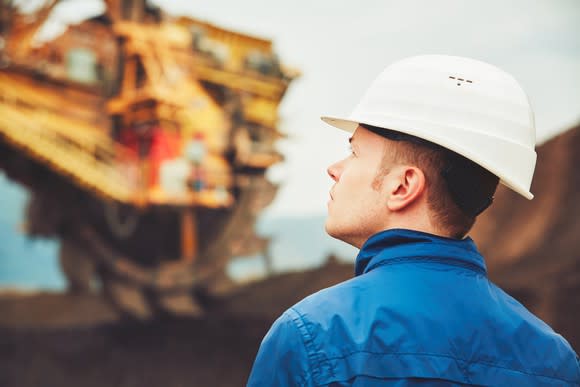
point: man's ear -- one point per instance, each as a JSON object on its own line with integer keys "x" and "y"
{"x": 405, "y": 187}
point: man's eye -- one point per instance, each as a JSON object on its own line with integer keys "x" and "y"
{"x": 351, "y": 150}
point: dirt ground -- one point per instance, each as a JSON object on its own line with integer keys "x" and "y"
{"x": 210, "y": 352}
{"x": 62, "y": 340}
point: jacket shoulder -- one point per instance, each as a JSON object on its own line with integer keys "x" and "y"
{"x": 282, "y": 359}
{"x": 388, "y": 322}
{"x": 332, "y": 300}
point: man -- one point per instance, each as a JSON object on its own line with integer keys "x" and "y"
{"x": 432, "y": 137}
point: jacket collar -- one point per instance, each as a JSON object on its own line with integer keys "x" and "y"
{"x": 397, "y": 245}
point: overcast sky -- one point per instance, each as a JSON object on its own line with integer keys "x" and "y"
{"x": 340, "y": 46}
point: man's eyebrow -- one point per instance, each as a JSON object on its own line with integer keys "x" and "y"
{"x": 350, "y": 140}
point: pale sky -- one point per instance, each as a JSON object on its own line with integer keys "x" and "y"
{"x": 340, "y": 46}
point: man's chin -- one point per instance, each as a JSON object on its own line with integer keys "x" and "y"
{"x": 328, "y": 228}
{"x": 342, "y": 235}
{"x": 332, "y": 230}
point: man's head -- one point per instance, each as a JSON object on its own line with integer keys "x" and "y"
{"x": 393, "y": 180}
{"x": 435, "y": 133}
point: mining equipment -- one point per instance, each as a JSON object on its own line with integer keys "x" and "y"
{"x": 143, "y": 140}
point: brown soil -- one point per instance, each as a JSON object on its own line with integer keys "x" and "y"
{"x": 208, "y": 352}
{"x": 62, "y": 340}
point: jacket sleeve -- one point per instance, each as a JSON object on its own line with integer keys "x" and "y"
{"x": 282, "y": 359}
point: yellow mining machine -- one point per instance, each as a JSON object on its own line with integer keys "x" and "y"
{"x": 143, "y": 141}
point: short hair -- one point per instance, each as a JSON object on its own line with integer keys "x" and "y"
{"x": 458, "y": 189}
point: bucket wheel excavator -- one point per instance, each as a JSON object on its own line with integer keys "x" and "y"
{"x": 143, "y": 140}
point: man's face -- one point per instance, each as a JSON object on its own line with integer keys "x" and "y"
{"x": 357, "y": 207}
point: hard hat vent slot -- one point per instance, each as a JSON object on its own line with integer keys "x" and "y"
{"x": 460, "y": 80}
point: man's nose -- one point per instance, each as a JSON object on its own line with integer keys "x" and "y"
{"x": 334, "y": 171}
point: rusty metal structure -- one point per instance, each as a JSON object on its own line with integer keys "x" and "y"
{"x": 143, "y": 141}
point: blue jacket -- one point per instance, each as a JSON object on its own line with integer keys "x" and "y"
{"x": 420, "y": 311}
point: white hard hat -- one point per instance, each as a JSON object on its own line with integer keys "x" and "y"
{"x": 467, "y": 106}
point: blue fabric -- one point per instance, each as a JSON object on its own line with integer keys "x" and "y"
{"x": 419, "y": 312}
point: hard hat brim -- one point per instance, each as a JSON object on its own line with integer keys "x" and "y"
{"x": 340, "y": 123}
{"x": 350, "y": 126}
